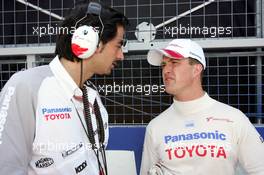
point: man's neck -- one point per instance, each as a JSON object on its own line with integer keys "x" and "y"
{"x": 74, "y": 70}
{"x": 195, "y": 93}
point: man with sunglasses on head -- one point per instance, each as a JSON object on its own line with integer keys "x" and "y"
{"x": 52, "y": 120}
{"x": 196, "y": 134}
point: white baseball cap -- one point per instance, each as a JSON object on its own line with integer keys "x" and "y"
{"x": 178, "y": 49}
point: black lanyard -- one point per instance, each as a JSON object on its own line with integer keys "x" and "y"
{"x": 89, "y": 132}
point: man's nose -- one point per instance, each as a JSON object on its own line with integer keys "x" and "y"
{"x": 120, "y": 55}
{"x": 166, "y": 68}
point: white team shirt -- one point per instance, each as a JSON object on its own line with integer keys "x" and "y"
{"x": 40, "y": 124}
{"x": 200, "y": 137}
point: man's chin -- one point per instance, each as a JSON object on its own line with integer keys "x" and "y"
{"x": 169, "y": 91}
{"x": 108, "y": 72}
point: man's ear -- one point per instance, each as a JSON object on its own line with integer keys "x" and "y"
{"x": 198, "y": 68}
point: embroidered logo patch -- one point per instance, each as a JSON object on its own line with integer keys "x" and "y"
{"x": 209, "y": 119}
{"x": 80, "y": 167}
{"x": 44, "y": 162}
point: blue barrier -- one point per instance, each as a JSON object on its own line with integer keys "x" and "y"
{"x": 260, "y": 129}
{"x": 132, "y": 138}
{"x": 127, "y": 138}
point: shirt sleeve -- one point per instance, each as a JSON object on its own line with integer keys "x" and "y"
{"x": 17, "y": 126}
{"x": 149, "y": 156}
{"x": 251, "y": 149}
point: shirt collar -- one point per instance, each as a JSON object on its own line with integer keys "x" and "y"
{"x": 193, "y": 106}
{"x": 64, "y": 79}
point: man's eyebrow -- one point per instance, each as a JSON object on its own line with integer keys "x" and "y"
{"x": 172, "y": 59}
{"x": 122, "y": 42}
{"x": 168, "y": 59}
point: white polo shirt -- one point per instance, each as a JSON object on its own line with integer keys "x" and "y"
{"x": 47, "y": 116}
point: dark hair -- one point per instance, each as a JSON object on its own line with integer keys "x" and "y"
{"x": 110, "y": 18}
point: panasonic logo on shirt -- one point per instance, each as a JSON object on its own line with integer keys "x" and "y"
{"x": 4, "y": 109}
{"x": 55, "y": 110}
{"x": 195, "y": 136}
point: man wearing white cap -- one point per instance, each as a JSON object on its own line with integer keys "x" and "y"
{"x": 196, "y": 134}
